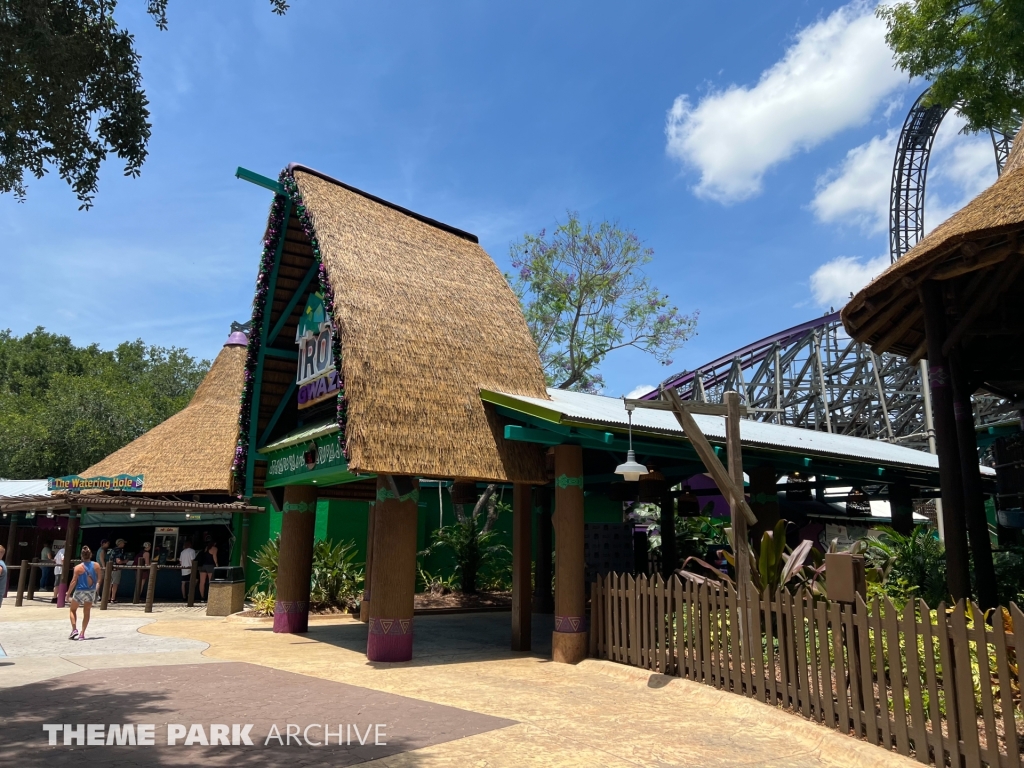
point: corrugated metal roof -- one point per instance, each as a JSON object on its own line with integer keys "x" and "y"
{"x": 565, "y": 407}
{"x": 22, "y": 487}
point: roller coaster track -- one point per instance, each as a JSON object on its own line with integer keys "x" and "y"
{"x": 813, "y": 375}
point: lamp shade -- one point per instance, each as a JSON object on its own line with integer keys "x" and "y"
{"x": 631, "y": 469}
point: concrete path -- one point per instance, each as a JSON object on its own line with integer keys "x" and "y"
{"x": 594, "y": 714}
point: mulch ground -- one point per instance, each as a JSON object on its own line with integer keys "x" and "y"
{"x": 229, "y": 694}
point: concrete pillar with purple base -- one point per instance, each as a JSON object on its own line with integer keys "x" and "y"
{"x": 569, "y": 640}
{"x": 295, "y": 559}
{"x": 394, "y": 570}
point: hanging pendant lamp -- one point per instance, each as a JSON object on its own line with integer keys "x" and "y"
{"x": 631, "y": 469}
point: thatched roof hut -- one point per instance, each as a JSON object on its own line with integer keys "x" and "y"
{"x": 976, "y": 253}
{"x": 424, "y": 320}
{"x": 192, "y": 451}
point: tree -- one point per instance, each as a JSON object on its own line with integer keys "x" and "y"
{"x": 584, "y": 295}
{"x": 71, "y": 91}
{"x": 63, "y": 408}
{"x": 472, "y": 539}
{"x": 972, "y": 52}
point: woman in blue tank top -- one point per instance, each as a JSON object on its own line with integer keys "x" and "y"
{"x": 85, "y": 581}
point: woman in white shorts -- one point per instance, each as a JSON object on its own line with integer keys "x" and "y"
{"x": 85, "y": 580}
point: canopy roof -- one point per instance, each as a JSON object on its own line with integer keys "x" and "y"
{"x": 425, "y": 320}
{"x": 976, "y": 255}
{"x": 192, "y": 451}
{"x": 868, "y": 457}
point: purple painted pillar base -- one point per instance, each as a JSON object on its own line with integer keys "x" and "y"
{"x": 62, "y": 594}
{"x": 389, "y": 640}
{"x": 291, "y": 617}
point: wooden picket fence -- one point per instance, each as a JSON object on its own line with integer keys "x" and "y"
{"x": 955, "y": 701}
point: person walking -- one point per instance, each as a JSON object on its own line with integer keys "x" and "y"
{"x": 58, "y": 570}
{"x": 207, "y": 562}
{"x": 186, "y": 559}
{"x": 45, "y": 572}
{"x": 115, "y": 555}
{"x": 86, "y": 579}
{"x": 3, "y": 574}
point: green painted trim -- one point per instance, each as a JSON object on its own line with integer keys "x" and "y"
{"x": 301, "y": 436}
{"x": 383, "y": 494}
{"x": 277, "y": 413}
{"x": 283, "y": 354}
{"x": 564, "y": 481}
{"x": 497, "y": 398}
{"x": 257, "y": 385}
{"x": 529, "y": 435}
{"x": 290, "y": 307}
{"x": 323, "y": 477}
{"x": 299, "y": 506}
{"x": 261, "y": 181}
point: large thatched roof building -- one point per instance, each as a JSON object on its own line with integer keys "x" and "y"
{"x": 423, "y": 320}
{"x": 192, "y": 451}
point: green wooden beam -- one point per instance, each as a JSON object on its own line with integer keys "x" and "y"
{"x": 299, "y": 292}
{"x": 282, "y": 354}
{"x": 257, "y": 385}
{"x": 530, "y": 435}
{"x": 261, "y": 181}
{"x": 285, "y": 399}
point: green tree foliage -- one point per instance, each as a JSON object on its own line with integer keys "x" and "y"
{"x": 908, "y": 566}
{"x": 63, "y": 407}
{"x": 972, "y": 52}
{"x": 71, "y": 91}
{"x": 584, "y": 294}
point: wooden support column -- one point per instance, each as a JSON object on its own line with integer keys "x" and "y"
{"x": 394, "y": 570}
{"x": 901, "y": 504}
{"x": 70, "y": 542}
{"x": 569, "y": 640}
{"x": 364, "y": 605}
{"x": 669, "y": 552}
{"x": 543, "y": 599}
{"x": 950, "y": 477}
{"x": 522, "y": 525}
{"x": 733, "y": 446}
{"x": 974, "y": 498}
{"x": 295, "y": 560}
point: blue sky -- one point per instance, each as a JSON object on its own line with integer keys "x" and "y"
{"x": 749, "y": 144}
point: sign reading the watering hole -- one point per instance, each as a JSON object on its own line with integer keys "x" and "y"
{"x": 317, "y": 377}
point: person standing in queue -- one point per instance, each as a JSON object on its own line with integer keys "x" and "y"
{"x": 186, "y": 559}
{"x": 117, "y": 557}
{"x": 3, "y": 574}
{"x": 206, "y": 565}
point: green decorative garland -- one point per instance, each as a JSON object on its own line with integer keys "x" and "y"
{"x": 383, "y": 494}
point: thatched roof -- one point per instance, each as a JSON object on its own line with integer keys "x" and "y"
{"x": 192, "y": 451}
{"x": 426, "y": 320}
{"x": 887, "y": 313}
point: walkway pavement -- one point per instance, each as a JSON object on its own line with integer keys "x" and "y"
{"x": 512, "y": 709}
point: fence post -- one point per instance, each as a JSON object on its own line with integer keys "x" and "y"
{"x": 192, "y": 585}
{"x": 151, "y": 588}
{"x": 137, "y": 572}
{"x": 108, "y": 570}
{"x": 22, "y": 573}
{"x": 33, "y": 578}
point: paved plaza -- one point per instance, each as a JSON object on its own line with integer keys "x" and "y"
{"x": 465, "y": 700}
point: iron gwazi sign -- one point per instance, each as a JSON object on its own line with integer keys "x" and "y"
{"x": 74, "y": 483}
{"x": 317, "y": 376}
{"x": 322, "y": 453}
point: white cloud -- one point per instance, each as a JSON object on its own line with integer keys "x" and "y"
{"x": 833, "y": 76}
{"x": 640, "y": 391}
{"x": 858, "y": 191}
{"x": 833, "y": 282}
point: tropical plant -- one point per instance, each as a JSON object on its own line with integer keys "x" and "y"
{"x": 337, "y": 579}
{"x": 1009, "y": 568}
{"x": 436, "y": 584}
{"x": 696, "y": 536}
{"x": 472, "y": 540}
{"x": 584, "y": 295}
{"x": 262, "y": 601}
{"x": 907, "y": 566}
